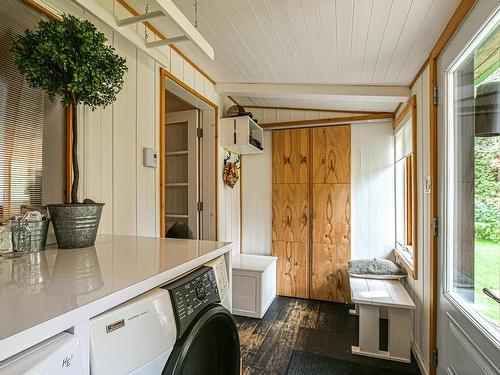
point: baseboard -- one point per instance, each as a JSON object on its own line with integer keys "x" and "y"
{"x": 418, "y": 356}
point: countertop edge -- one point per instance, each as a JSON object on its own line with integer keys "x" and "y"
{"x": 80, "y": 316}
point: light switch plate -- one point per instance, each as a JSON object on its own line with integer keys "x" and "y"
{"x": 427, "y": 186}
{"x": 150, "y": 157}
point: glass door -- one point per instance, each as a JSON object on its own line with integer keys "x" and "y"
{"x": 469, "y": 165}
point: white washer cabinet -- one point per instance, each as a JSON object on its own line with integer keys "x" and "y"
{"x": 254, "y": 284}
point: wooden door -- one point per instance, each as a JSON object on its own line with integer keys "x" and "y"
{"x": 290, "y": 197}
{"x": 331, "y": 213}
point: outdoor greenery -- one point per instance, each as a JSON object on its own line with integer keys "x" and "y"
{"x": 70, "y": 59}
{"x": 487, "y": 188}
{"x": 486, "y": 266}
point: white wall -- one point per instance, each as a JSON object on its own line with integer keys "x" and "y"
{"x": 111, "y": 139}
{"x": 256, "y": 200}
{"x": 372, "y": 190}
{"x": 420, "y": 289}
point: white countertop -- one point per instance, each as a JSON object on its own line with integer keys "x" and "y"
{"x": 51, "y": 291}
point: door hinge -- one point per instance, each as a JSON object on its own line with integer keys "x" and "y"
{"x": 199, "y": 132}
{"x": 435, "y": 357}
{"x": 199, "y": 206}
{"x": 435, "y": 93}
{"x": 435, "y": 226}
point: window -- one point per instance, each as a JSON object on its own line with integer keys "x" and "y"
{"x": 32, "y": 130}
{"x": 473, "y": 179}
{"x": 405, "y": 194}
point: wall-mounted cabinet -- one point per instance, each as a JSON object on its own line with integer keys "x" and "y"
{"x": 241, "y": 135}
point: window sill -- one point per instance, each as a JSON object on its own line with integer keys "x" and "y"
{"x": 406, "y": 262}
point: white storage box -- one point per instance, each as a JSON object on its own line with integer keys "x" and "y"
{"x": 254, "y": 284}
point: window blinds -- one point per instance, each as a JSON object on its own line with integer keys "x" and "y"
{"x": 22, "y": 116}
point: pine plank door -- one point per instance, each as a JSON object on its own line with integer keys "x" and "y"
{"x": 331, "y": 212}
{"x": 290, "y": 207}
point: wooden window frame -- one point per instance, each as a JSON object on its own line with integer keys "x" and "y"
{"x": 410, "y": 263}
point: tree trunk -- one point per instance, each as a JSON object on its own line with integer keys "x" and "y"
{"x": 74, "y": 153}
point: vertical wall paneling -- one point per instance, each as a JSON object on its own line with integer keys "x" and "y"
{"x": 124, "y": 141}
{"x": 420, "y": 289}
{"x": 372, "y": 189}
{"x": 146, "y": 183}
{"x": 256, "y": 200}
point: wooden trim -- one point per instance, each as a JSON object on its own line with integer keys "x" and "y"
{"x": 328, "y": 121}
{"x": 419, "y": 73}
{"x": 43, "y": 9}
{"x": 163, "y": 75}
{"x": 411, "y": 104}
{"x": 409, "y": 199}
{"x": 433, "y": 213}
{"x": 69, "y": 157}
{"x": 241, "y": 204}
{"x": 317, "y": 109}
{"x": 161, "y": 155}
{"x": 402, "y": 260}
{"x": 155, "y": 31}
{"x": 451, "y": 27}
{"x": 397, "y": 108}
{"x": 415, "y": 195}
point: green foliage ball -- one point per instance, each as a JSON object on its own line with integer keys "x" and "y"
{"x": 71, "y": 59}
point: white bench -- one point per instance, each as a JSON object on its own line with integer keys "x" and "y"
{"x": 370, "y": 295}
{"x": 254, "y": 284}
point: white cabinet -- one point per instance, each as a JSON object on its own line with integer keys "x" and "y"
{"x": 254, "y": 284}
{"x": 241, "y": 135}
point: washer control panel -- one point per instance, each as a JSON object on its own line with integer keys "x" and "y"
{"x": 191, "y": 294}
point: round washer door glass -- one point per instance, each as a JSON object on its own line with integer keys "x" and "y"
{"x": 211, "y": 346}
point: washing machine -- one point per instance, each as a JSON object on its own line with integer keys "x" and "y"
{"x": 180, "y": 328}
{"x": 59, "y": 355}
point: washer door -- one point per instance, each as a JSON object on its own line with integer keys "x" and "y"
{"x": 211, "y": 346}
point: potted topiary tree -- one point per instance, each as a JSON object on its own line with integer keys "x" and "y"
{"x": 70, "y": 59}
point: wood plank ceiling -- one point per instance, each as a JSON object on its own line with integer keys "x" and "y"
{"x": 344, "y": 42}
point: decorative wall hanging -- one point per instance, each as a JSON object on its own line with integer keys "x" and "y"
{"x": 230, "y": 172}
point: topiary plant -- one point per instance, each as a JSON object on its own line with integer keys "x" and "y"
{"x": 70, "y": 59}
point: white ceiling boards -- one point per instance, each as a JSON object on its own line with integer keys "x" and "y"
{"x": 333, "y": 42}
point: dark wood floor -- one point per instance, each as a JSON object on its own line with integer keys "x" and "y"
{"x": 308, "y": 331}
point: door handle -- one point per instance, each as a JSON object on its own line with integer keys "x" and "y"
{"x": 492, "y": 295}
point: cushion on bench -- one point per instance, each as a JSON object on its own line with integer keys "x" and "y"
{"x": 375, "y": 269}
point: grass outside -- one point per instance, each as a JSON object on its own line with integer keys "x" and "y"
{"x": 487, "y": 275}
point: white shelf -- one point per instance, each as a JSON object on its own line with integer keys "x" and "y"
{"x": 177, "y": 216}
{"x": 235, "y": 133}
{"x": 174, "y": 153}
{"x": 176, "y": 184}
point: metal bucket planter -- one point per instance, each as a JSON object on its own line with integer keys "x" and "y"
{"x": 75, "y": 225}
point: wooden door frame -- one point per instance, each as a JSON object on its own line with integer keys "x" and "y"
{"x": 449, "y": 31}
{"x": 164, "y": 74}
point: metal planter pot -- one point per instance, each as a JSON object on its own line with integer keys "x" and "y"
{"x": 75, "y": 225}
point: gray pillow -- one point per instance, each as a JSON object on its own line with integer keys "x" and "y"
{"x": 375, "y": 269}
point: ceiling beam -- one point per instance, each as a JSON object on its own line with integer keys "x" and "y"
{"x": 392, "y": 94}
{"x": 315, "y": 109}
{"x": 168, "y": 7}
{"x": 328, "y": 121}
